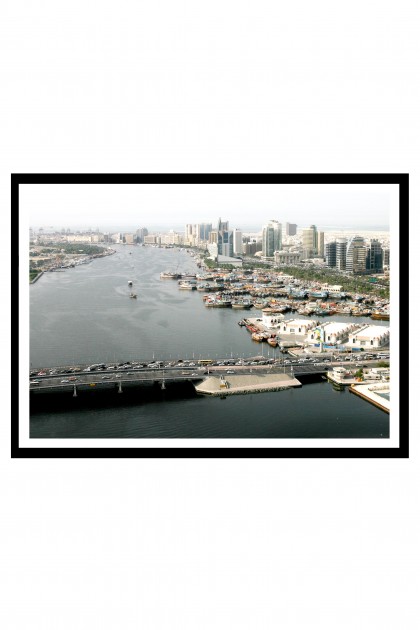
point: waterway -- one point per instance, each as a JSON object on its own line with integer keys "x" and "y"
{"x": 85, "y": 315}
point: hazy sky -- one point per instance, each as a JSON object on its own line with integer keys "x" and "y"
{"x": 174, "y": 205}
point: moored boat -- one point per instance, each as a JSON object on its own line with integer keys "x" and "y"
{"x": 187, "y": 284}
{"x": 379, "y": 315}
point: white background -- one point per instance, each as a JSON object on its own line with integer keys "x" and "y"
{"x": 200, "y": 87}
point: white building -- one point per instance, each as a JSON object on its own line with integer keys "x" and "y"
{"x": 378, "y": 374}
{"x": 330, "y": 333}
{"x": 368, "y": 336}
{"x": 272, "y": 318}
{"x": 296, "y": 326}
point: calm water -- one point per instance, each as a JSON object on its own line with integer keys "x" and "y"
{"x": 85, "y": 315}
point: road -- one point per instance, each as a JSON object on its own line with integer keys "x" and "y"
{"x": 65, "y": 377}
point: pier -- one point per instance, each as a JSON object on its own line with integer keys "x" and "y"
{"x": 376, "y": 394}
{"x": 246, "y": 384}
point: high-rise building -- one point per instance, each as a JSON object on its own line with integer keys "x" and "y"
{"x": 222, "y": 226}
{"x": 213, "y": 236}
{"x": 226, "y": 243}
{"x": 331, "y": 254}
{"x": 223, "y": 237}
{"x": 271, "y": 238}
{"x": 190, "y": 233}
{"x": 251, "y": 248}
{"x": 237, "y": 242}
{"x": 309, "y": 242}
{"x": 320, "y": 244}
{"x": 203, "y": 231}
{"x": 374, "y": 257}
{"x": 386, "y": 256}
{"x": 140, "y": 234}
{"x": 291, "y": 229}
{"x": 341, "y": 249}
{"x": 356, "y": 255}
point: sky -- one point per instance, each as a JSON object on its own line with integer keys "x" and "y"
{"x": 171, "y": 206}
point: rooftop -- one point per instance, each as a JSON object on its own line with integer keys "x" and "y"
{"x": 371, "y": 331}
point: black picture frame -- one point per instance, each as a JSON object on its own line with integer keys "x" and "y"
{"x": 402, "y": 451}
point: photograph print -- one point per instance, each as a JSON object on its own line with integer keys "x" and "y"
{"x": 208, "y": 315}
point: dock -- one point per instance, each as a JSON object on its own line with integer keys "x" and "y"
{"x": 246, "y": 384}
{"x": 372, "y": 393}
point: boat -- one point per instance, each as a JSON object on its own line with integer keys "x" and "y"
{"x": 298, "y": 295}
{"x": 260, "y": 305}
{"x": 272, "y": 341}
{"x": 187, "y": 284}
{"x": 170, "y": 274}
{"x": 241, "y": 304}
{"x": 130, "y": 283}
{"x": 133, "y": 295}
{"x": 218, "y": 303}
{"x": 318, "y": 294}
{"x": 379, "y": 315}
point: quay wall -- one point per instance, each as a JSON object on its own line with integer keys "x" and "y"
{"x": 41, "y": 273}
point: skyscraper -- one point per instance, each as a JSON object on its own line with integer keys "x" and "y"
{"x": 331, "y": 254}
{"x": 386, "y": 256}
{"x": 341, "y": 248}
{"x": 310, "y": 242}
{"x": 321, "y": 244}
{"x": 141, "y": 233}
{"x": 223, "y": 237}
{"x": 237, "y": 242}
{"x": 203, "y": 231}
{"x": 356, "y": 255}
{"x": 222, "y": 226}
{"x": 271, "y": 238}
{"x": 226, "y": 245}
{"x": 291, "y": 229}
{"x": 374, "y": 257}
{"x": 189, "y": 233}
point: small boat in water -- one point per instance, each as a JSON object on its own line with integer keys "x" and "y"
{"x": 380, "y": 315}
{"x": 130, "y": 283}
{"x": 133, "y": 295}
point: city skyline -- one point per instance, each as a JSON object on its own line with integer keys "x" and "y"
{"x": 170, "y": 206}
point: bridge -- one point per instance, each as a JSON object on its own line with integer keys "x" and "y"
{"x": 111, "y": 377}
{"x": 135, "y": 373}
